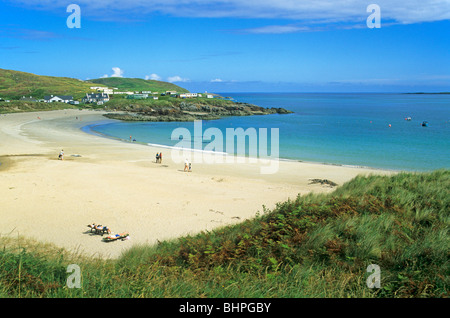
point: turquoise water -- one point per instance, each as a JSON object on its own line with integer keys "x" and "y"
{"x": 344, "y": 129}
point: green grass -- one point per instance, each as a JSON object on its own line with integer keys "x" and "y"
{"x": 17, "y": 106}
{"x": 145, "y": 105}
{"x": 15, "y": 84}
{"x": 318, "y": 245}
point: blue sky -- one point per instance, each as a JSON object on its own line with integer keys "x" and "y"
{"x": 235, "y": 46}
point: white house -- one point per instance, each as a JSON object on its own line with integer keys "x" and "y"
{"x": 98, "y": 98}
{"x": 188, "y": 95}
{"x": 58, "y": 99}
{"x": 105, "y": 90}
{"x": 122, "y": 93}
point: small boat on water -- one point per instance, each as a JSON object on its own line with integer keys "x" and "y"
{"x": 424, "y": 124}
{"x": 408, "y": 118}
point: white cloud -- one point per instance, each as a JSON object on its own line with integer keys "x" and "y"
{"x": 293, "y": 28}
{"x": 177, "y": 78}
{"x": 216, "y": 80}
{"x": 153, "y": 76}
{"x": 329, "y": 11}
{"x": 117, "y": 72}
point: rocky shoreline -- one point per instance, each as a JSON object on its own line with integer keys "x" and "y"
{"x": 190, "y": 111}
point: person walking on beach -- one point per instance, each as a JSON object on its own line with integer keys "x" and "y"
{"x": 160, "y": 157}
{"x": 157, "y": 158}
{"x": 186, "y": 165}
{"x": 61, "y": 155}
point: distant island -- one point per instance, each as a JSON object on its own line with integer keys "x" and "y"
{"x": 128, "y": 99}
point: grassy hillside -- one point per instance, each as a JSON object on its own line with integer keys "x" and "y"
{"x": 314, "y": 246}
{"x": 14, "y": 85}
{"x": 17, "y": 106}
{"x": 138, "y": 84}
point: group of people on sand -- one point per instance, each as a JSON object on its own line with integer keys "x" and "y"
{"x": 187, "y": 163}
{"x": 99, "y": 229}
{"x": 159, "y": 157}
{"x": 102, "y": 229}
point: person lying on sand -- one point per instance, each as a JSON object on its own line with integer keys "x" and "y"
{"x": 117, "y": 236}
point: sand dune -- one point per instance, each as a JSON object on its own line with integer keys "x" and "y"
{"x": 118, "y": 184}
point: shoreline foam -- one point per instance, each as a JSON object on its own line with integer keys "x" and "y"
{"x": 88, "y": 129}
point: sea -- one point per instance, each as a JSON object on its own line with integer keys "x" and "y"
{"x": 374, "y": 130}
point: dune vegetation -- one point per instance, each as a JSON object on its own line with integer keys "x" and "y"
{"x": 318, "y": 245}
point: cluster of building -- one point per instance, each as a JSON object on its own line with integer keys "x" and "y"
{"x": 102, "y": 95}
{"x": 51, "y": 99}
{"x": 97, "y": 98}
{"x": 149, "y": 94}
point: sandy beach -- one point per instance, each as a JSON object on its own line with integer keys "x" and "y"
{"x": 118, "y": 184}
